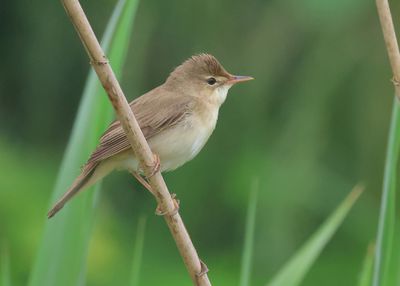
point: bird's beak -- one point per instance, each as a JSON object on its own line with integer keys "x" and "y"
{"x": 239, "y": 78}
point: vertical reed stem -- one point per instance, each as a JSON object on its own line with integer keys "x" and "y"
{"x": 383, "y": 250}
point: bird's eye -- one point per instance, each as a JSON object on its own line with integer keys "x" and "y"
{"x": 211, "y": 81}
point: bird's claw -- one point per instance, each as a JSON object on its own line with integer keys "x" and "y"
{"x": 172, "y": 212}
{"x": 156, "y": 165}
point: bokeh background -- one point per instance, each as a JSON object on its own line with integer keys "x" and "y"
{"x": 312, "y": 125}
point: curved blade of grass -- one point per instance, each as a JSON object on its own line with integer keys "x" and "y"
{"x": 383, "y": 268}
{"x": 249, "y": 236}
{"x": 62, "y": 254}
{"x": 365, "y": 278}
{"x": 138, "y": 251}
{"x": 5, "y": 273}
{"x": 294, "y": 271}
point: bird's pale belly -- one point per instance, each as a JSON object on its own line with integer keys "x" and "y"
{"x": 175, "y": 146}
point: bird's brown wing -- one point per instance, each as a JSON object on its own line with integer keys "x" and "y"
{"x": 154, "y": 114}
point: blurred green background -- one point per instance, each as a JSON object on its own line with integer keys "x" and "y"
{"x": 313, "y": 124}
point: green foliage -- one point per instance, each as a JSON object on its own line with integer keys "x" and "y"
{"x": 385, "y": 270}
{"x": 62, "y": 255}
{"x": 138, "y": 251}
{"x": 248, "y": 248}
{"x": 5, "y": 273}
{"x": 293, "y": 272}
{"x": 365, "y": 278}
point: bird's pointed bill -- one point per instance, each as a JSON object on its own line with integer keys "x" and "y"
{"x": 240, "y": 78}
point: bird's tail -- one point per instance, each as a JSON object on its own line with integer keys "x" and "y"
{"x": 88, "y": 177}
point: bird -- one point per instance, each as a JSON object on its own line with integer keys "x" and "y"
{"x": 177, "y": 118}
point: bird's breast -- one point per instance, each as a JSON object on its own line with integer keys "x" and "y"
{"x": 183, "y": 142}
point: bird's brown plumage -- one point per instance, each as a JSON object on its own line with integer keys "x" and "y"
{"x": 114, "y": 140}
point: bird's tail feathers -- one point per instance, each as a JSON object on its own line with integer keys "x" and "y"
{"x": 84, "y": 180}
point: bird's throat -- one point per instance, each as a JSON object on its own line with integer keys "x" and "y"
{"x": 220, "y": 94}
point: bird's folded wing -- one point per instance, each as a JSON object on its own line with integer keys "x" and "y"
{"x": 153, "y": 115}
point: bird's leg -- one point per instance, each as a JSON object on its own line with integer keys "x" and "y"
{"x": 142, "y": 181}
{"x": 170, "y": 213}
{"x": 148, "y": 187}
{"x": 155, "y": 168}
{"x": 156, "y": 165}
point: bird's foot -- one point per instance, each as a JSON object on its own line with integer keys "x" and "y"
{"x": 155, "y": 166}
{"x": 176, "y": 202}
{"x": 203, "y": 269}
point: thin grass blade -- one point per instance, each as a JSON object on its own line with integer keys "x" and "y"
{"x": 247, "y": 255}
{"x": 63, "y": 251}
{"x": 138, "y": 251}
{"x": 293, "y": 272}
{"x": 384, "y": 272}
{"x": 365, "y": 278}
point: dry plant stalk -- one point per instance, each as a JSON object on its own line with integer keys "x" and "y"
{"x": 195, "y": 267}
{"x": 392, "y": 47}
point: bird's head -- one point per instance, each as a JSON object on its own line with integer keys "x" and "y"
{"x": 203, "y": 76}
